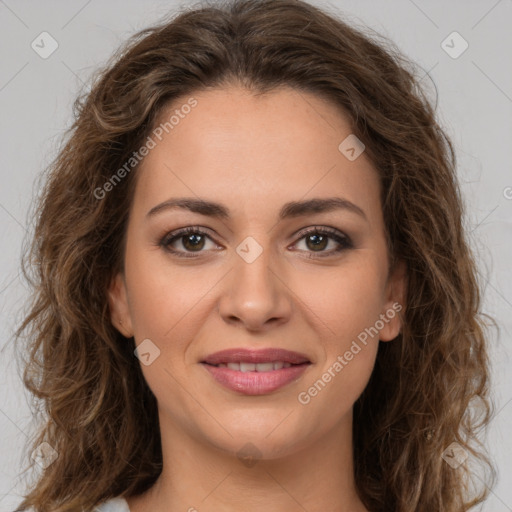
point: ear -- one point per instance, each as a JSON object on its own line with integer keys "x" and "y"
{"x": 394, "y": 304}
{"x": 118, "y": 305}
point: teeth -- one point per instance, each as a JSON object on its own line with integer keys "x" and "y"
{"x": 264, "y": 367}
{"x": 255, "y": 367}
{"x": 247, "y": 367}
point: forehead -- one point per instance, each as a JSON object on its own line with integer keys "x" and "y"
{"x": 253, "y": 151}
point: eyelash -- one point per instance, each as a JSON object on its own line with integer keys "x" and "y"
{"x": 343, "y": 240}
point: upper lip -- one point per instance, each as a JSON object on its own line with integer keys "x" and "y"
{"x": 267, "y": 355}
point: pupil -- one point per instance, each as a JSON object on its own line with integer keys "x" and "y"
{"x": 194, "y": 240}
{"x": 320, "y": 241}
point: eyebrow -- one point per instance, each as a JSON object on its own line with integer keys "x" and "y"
{"x": 289, "y": 210}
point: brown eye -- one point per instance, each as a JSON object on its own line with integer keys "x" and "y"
{"x": 192, "y": 242}
{"x": 186, "y": 241}
{"x": 318, "y": 239}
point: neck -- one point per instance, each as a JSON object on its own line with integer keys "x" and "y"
{"x": 199, "y": 477}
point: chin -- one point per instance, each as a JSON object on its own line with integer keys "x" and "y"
{"x": 264, "y": 436}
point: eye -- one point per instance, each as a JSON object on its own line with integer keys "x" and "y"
{"x": 191, "y": 238}
{"x": 316, "y": 239}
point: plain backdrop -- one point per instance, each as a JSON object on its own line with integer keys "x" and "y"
{"x": 474, "y": 106}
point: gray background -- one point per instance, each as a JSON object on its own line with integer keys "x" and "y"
{"x": 475, "y": 107}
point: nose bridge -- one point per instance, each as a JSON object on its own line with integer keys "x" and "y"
{"x": 252, "y": 264}
{"x": 254, "y": 293}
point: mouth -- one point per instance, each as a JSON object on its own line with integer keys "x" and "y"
{"x": 255, "y": 372}
{"x": 244, "y": 367}
{"x": 243, "y": 356}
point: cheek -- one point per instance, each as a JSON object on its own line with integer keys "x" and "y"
{"x": 345, "y": 311}
{"x": 165, "y": 300}
{"x": 345, "y": 317}
{"x": 344, "y": 301}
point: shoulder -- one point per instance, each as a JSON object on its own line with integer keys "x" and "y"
{"x": 113, "y": 505}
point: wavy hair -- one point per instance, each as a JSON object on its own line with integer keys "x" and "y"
{"x": 95, "y": 408}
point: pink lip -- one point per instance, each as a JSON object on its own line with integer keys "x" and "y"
{"x": 256, "y": 383}
{"x": 266, "y": 355}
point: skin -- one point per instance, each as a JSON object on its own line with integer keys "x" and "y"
{"x": 253, "y": 154}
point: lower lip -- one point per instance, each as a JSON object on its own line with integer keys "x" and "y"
{"x": 256, "y": 383}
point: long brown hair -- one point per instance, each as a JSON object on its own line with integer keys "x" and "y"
{"x": 96, "y": 409}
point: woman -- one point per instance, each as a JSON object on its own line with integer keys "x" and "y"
{"x": 253, "y": 287}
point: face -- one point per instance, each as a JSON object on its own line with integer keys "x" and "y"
{"x": 265, "y": 269}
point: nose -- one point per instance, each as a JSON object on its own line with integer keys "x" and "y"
{"x": 255, "y": 294}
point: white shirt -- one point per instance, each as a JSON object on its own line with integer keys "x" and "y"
{"x": 114, "y": 505}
